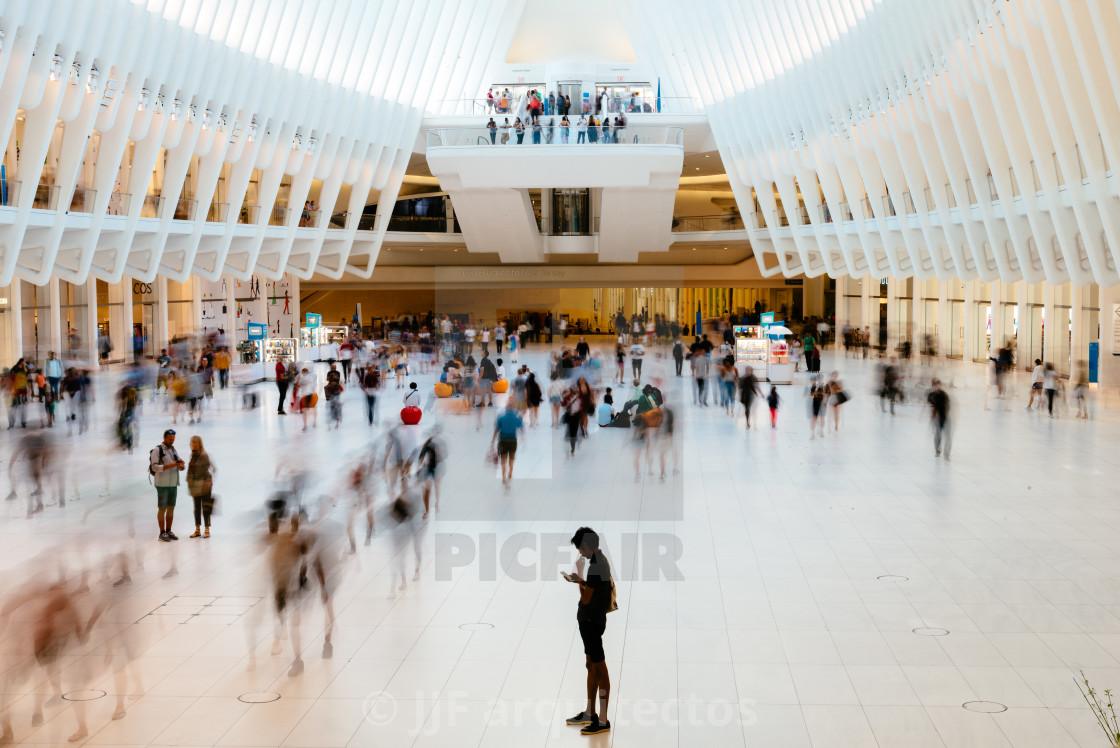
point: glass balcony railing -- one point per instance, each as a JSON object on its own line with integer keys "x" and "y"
{"x": 217, "y": 213}
{"x": 185, "y": 209}
{"x": 9, "y": 193}
{"x": 597, "y": 105}
{"x": 151, "y": 207}
{"x": 339, "y": 221}
{"x": 119, "y": 203}
{"x": 367, "y": 222}
{"x": 248, "y": 214}
{"x": 82, "y": 200}
{"x": 728, "y": 222}
{"x": 310, "y": 219}
{"x": 279, "y": 216}
{"x": 46, "y": 197}
{"x": 429, "y": 224}
{"x": 548, "y": 134}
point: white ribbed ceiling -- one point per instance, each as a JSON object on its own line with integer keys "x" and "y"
{"x": 966, "y": 138}
{"x": 251, "y": 92}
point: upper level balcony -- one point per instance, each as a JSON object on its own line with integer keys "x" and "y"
{"x": 482, "y": 158}
{"x": 554, "y": 134}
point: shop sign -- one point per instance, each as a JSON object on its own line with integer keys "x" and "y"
{"x": 314, "y": 320}
{"x": 257, "y": 331}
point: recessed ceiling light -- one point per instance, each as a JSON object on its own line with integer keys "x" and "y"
{"x": 697, "y": 168}
{"x": 694, "y": 249}
{"x": 707, "y": 155}
{"x": 725, "y": 247}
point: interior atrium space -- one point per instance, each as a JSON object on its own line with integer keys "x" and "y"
{"x": 633, "y": 373}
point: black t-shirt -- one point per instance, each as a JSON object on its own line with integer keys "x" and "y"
{"x": 939, "y": 401}
{"x": 582, "y": 349}
{"x": 599, "y": 577}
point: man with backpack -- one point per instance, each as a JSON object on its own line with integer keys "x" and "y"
{"x": 596, "y": 600}
{"x": 165, "y": 465}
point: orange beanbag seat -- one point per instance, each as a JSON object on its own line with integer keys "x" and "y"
{"x": 443, "y": 389}
{"x": 500, "y": 386}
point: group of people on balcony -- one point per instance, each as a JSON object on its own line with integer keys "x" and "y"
{"x": 505, "y": 101}
{"x": 587, "y": 129}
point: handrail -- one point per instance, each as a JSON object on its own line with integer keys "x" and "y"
{"x": 724, "y": 222}
{"x": 9, "y": 192}
{"x": 554, "y": 134}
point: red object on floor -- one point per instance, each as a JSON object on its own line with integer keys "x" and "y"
{"x": 411, "y": 415}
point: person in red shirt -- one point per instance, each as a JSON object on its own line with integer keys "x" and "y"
{"x": 282, "y": 385}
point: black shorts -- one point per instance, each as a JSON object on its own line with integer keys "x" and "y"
{"x": 507, "y": 447}
{"x": 592, "y": 634}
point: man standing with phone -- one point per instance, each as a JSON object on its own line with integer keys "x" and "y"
{"x": 595, "y": 601}
{"x": 165, "y": 465}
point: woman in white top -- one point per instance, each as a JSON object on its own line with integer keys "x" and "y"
{"x": 581, "y": 130}
{"x": 1050, "y": 384}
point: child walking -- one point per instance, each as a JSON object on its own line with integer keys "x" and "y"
{"x": 772, "y": 400}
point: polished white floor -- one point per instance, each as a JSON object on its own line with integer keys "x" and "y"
{"x": 783, "y": 632}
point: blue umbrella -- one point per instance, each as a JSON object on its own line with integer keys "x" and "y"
{"x": 659, "y": 94}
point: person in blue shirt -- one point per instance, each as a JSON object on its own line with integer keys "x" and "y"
{"x": 506, "y": 429}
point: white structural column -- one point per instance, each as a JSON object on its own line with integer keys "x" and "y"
{"x": 159, "y": 326}
{"x": 1022, "y": 351}
{"x": 15, "y": 328}
{"x": 298, "y": 320}
{"x": 231, "y": 317}
{"x": 120, "y": 318}
{"x": 1077, "y": 299}
{"x": 195, "y": 285}
{"x": 89, "y": 333}
{"x": 893, "y": 333}
{"x": 1049, "y": 338}
{"x": 865, "y": 304}
{"x": 1108, "y": 366}
{"x": 944, "y": 318}
{"x": 53, "y": 336}
{"x": 916, "y": 306}
{"x": 970, "y": 312}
